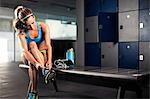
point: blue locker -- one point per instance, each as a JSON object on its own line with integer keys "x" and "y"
{"x": 128, "y": 55}
{"x": 108, "y": 27}
{"x": 144, "y": 25}
{"x": 92, "y": 54}
{"x": 108, "y": 6}
{"x": 144, "y": 4}
{"x": 91, "y": 7}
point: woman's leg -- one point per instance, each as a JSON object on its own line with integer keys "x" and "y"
{"x": 34, "y": 79}
{"x": 36, "y": 53}
{"x": 32, "y": 88}
{"x": 43, "y": 50}
{"x": 49, "y": 75}
{"x": 30, "y": 73}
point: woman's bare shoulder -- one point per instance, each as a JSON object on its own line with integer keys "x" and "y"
{"x": 44, "y": 26}
{"x": 42, "y": 23}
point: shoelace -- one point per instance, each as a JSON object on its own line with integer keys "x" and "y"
{"x": 45, "y": 71}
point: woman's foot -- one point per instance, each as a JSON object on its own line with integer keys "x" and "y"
{"x": 33, "y": 95}
{"x": 45, "y": 71}
{"x": 48, "y": 75}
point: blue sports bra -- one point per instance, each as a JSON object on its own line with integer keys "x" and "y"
{"x": 38, "y": 39}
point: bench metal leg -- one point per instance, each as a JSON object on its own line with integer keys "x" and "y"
{"x": 55, "y": 85}
{"x": 139, "y": 93}
{"x": 120, "y": 93}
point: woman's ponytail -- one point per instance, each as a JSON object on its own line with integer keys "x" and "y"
{"x": 17, "y": 10}
{"x": 18, "y": 24}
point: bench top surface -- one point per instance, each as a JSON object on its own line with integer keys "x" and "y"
{"x": 95, "y": 71}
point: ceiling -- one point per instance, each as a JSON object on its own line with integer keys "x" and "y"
{"x": 54, "y": 7}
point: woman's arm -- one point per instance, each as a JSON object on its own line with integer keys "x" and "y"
{"x": 47, "y": 38}
{"x": 26, "y": 52}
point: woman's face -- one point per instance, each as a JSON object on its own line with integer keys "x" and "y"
{"x": 31, "y": 23}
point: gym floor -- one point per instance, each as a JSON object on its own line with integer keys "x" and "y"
{"x": 14, "y": 82}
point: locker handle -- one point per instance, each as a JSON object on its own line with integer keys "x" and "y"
{"x": 141, "y": 25}
{"x": 100, "y": 27}
{"x": 103, "y": 56}
{"x": 121, "y": 57}
{"x": 121, "y": 26}
{"x": 141, "y": 57}
{"x": 86, "y": 29}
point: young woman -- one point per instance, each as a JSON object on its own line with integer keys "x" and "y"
{"x": 36, "y": 44}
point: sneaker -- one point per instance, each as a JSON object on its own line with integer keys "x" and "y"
{"x": 45, "y": 71}
{"x": 32, "y": 95}
{"x": 51, "y": 75}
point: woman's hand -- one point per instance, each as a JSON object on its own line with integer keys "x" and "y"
{"x": 38, "y": 65}
{"x": 49, "y": 65}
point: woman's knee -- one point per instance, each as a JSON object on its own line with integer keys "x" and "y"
{"x": 33, "y": 45}
{"x": 43, "y": 46}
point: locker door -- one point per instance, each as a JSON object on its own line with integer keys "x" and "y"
{"x": 91, "y": 7}
{"x": 108, "y": 27}
{"x": 92, "y": 54}
{"x": 91, "y": 29}
{"x": 128, "y": 5}
{"x": 109, "y": 55}
{"x": 128, "y": 55}
{"x": 144, "y": 25}
{"x": 108, "y": 5}
{"x": 128, "y": 26}
{"x": 144, "y": 56}
{"x": 144, "y": 4}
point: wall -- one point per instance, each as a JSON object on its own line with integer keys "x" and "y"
{"x": 79, "y": 45}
